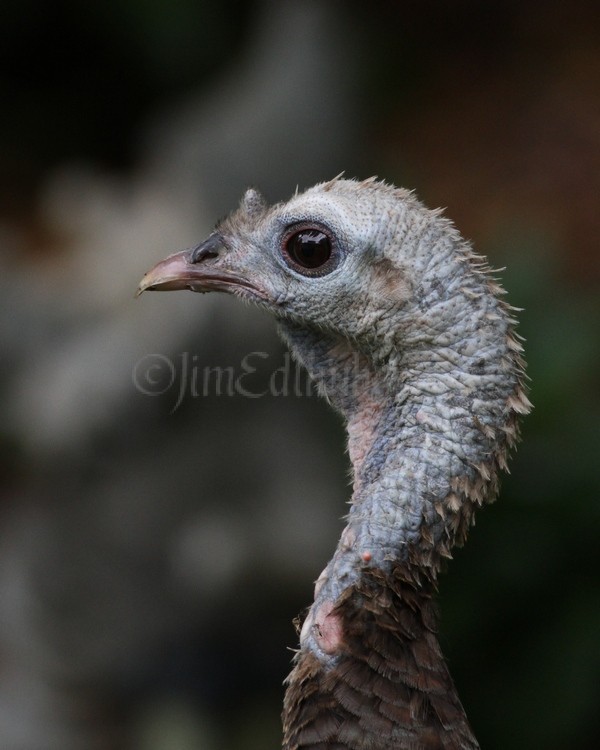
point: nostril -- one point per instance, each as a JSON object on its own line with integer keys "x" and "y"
{"x": 208, "y": 249}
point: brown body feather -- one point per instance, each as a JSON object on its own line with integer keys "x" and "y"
{"x": 390, "y": 686}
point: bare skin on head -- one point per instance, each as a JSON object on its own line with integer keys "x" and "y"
{"x": 404, "y": 330}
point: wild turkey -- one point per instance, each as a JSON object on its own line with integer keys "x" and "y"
{"x": 404, "y": 331}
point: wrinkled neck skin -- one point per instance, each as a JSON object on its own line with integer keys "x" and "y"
{"x": 427, "y": 407}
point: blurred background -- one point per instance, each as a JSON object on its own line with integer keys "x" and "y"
{"x": 157, "y": 540}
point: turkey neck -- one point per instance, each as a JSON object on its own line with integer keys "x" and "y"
{"x": 369, "y": 652}
{"x": 425, "y": 439}
{"x": 430, "y": 401}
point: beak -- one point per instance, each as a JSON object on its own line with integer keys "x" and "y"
{"x": 197, "y": 269}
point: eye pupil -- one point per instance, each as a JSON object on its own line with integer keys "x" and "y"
{"x": 309, "y": 248}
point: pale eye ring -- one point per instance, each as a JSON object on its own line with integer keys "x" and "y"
{"x": 309, "y": 249}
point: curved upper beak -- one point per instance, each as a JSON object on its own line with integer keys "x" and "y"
{"x": 173, "y": 273}
{"x": 198, "y": 270}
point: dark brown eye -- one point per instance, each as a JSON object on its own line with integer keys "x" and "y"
{"x": 309, "y": 249}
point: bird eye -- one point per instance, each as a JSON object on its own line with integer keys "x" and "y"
{"x": 308, "y": 250}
